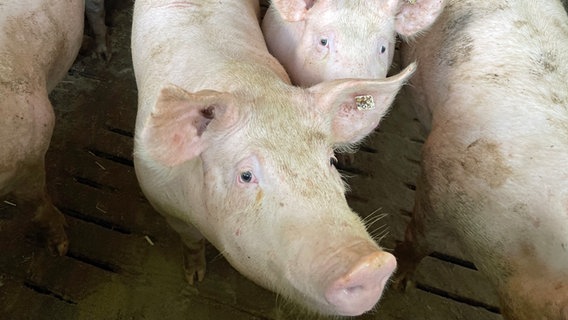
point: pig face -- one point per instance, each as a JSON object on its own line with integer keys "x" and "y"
{"x": 330, "y": 39}
{"x": 263, "y": 189}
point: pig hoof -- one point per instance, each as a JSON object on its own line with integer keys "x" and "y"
{"x": 195, "y": 273}
{"x": 52, "y": 224}
{"x": 104, "y": 52}
{"x": 402, "y": 283}
{"x": 57, "y": 238}
{"x": 59, "y": 246}
{"x": 194, "y": 261}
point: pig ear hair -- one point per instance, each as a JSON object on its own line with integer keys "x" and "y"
{"x": 354, "y": 114}
{"x": 176, "y": 128}
{"x": 416, "y": 16}
{"x": 293, "y": 10}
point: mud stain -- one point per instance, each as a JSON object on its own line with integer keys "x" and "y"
{"x": 483, "y": 160}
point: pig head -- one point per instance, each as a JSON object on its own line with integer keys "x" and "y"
{"x": 38, "y": 43}
{"x": 318, "y": 40}
{"x": 494, "y": 171}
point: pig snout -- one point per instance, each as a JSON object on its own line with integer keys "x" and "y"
{"x": 359, "y": 289}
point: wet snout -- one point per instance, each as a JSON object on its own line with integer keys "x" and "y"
{"x": 361, "y": 287}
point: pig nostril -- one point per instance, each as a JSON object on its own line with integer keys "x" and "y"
{"x": 359, "y": 289}
{"x": 354, "y": 290}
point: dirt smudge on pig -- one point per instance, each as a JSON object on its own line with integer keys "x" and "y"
{"x": 259, "y": 197}
{"x": 483, "y": 160}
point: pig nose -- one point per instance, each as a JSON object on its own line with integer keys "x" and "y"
{"x": 358, "y": 290}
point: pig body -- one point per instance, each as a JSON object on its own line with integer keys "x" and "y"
{"x": 211, "y": 157}
{"x": 39, "y": 41}
{"x": 492, "y": 90}
{"x": 320, "y": 40}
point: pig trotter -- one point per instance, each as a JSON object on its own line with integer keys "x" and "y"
{"x": 407, "y": 263}
{"x": 52, "y": 223}
{"x": 194, "y": 261}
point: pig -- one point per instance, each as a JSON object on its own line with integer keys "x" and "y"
{"x": 39, "y": 42}
{"x": 492, "y": 91}
{"x": 227, "y": 150}
{"x": 319, "y": 40}
{"x": 95, "y": 12}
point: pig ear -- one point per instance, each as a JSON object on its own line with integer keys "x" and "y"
{"x": 352, "y": 121}
{"x": 415, "y": 16}
{"x": 293, "y": 10}
{"x": 175, "y": 130}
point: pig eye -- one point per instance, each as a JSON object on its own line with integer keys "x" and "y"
{"x": 323, "y": 42}
{"x": 245, "y": 177}
{"x": 383, "y": 49}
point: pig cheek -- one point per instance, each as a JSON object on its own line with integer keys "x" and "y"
{"x": 255, "y": 210}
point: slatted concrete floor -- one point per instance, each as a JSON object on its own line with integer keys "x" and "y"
{"x": 125, "y": 263}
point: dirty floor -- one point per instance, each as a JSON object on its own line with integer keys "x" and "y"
{"x": 124, "y": 262}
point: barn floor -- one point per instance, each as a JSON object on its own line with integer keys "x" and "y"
{"x": 124, "y": 262}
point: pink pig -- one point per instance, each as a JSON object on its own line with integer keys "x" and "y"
{"x": 39, "y": 41}
{"x": 227, "y": 149}
{"x": 492, "y": 88}
{"x": 319, "y": 40}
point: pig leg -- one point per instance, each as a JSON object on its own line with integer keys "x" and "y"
{"x": 194, "y": 260}
{"x": 95, "y": 11}
{"x": 32, "y": 197}
{"x": 193, "y": 249}
{"x": 415, "y": 246}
